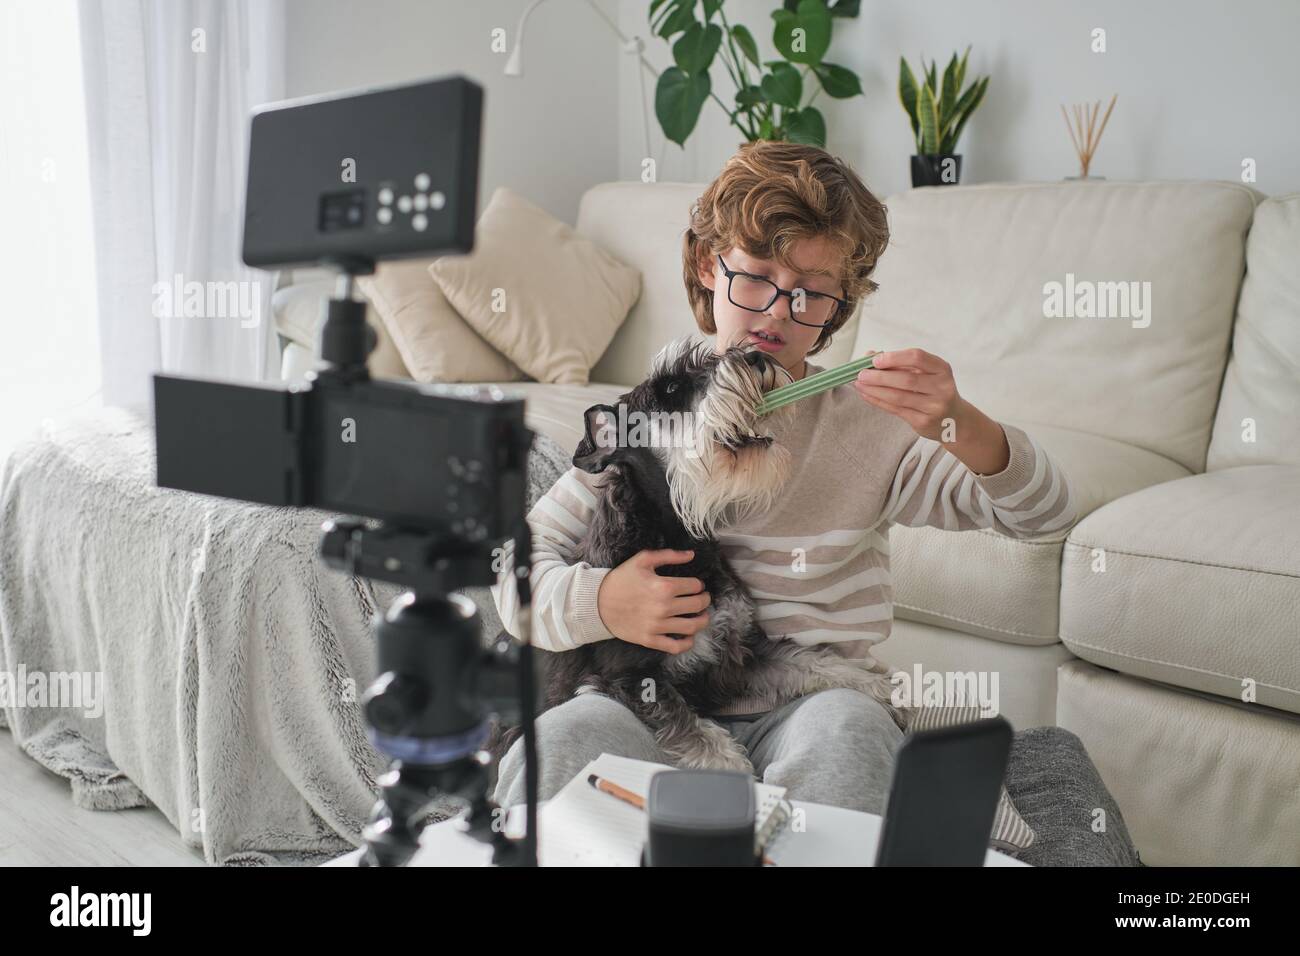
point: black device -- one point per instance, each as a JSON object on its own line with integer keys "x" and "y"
{"x": 432, "y": 478}
{"x": 944, "y": 795}
{"x": 446, "y": 460}
{"x": 700, "y": 818}
{"x": 379, "y": 174}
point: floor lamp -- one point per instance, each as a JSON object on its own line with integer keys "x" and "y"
{"x": 633, "y": 45}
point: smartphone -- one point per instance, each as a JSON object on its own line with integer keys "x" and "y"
{"x": 944, "y": 795}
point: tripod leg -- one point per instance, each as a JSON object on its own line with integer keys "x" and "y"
{"x": 393, "y": 834}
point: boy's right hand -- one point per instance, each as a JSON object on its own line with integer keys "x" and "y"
{"x": 642, "y": 607}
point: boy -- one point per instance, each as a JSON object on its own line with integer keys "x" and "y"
{"x": 779, "y": 252}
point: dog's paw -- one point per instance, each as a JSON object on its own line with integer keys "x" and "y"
{"x": 734, "y": 758}
{"x": 719, "y": 760}
{"x": 710, "y": 747}
{"x": 830, "y": 672}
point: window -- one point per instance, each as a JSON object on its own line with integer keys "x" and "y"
{"x": 49, "y": 351}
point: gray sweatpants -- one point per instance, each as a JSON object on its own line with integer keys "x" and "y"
{"x": 834, "y": 747}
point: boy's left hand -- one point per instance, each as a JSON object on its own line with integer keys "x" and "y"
{"x": 914, "y": 385}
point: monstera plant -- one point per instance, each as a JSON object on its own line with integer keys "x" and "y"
{"x": 769, "y": 101}
{"x": 938, "y": 113}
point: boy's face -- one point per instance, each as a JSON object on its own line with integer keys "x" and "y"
{"x": 781, "y": 337}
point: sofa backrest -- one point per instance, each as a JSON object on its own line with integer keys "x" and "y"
{"x": 1258, "y": 421}
{"x": 998, "y": 279}
{"x": 643, "y": 224}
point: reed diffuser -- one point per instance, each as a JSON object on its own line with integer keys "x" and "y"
{"x": 1084, "y": 131}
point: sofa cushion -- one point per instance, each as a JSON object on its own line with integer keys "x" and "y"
{"x": 1203, "y": 781}
{"x": 662, "y": 313}
{"x": 548, "y": 299}
{"x": 434, "y": 342}
{"x": 1006, "y": 588}
{"x": 968, "y": 276}
{"x": 1201, "y": 586}
{"x": 1263, "y": 378}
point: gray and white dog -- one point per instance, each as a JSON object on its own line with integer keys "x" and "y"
{"x": 682, "y": 455}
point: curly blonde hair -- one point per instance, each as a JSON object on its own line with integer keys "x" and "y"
{"x": 769, "y": 196}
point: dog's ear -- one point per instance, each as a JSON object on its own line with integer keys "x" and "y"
{"x": 600, "y": 441}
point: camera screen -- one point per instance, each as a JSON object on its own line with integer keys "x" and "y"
{"x": 383, "y": 459}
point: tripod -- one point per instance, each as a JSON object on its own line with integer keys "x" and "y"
{"x": 427, "y": 710}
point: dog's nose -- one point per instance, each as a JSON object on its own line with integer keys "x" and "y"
{"x": 770, "y": 371}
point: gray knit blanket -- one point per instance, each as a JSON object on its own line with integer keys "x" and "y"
{"x": 190, "y": 652}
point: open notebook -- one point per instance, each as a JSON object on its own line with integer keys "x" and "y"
{"x": 581, "y": 826}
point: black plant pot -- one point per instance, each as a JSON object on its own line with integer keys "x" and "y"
{"x": 940, "y": 169}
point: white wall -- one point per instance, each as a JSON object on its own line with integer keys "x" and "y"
{"x": 548, "y": 135}
{"x": 1202, "y": 85}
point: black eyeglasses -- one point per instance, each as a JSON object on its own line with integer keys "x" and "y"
{"x": 756, "y": 294}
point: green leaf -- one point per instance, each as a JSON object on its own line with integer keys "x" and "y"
{"x": 678, "y": 98}
{"x": 950, "y": 142}
{"x": 964, "y": 104}
{"x": 806, "y": 126}
{"x": 961, "y": 68}
{"x": 680, "y": 19}
{"x": 749, "y": 97}
{"x": 765, "y": 130}
{"x": 837, "y": 81}
{"x": 845, "y": 8}
{"x": 928, "y": 113}
{"x": 907, "y": 94}
{"x": 948, "y": 94}
{"x": 710, "y": 8}
{"x": 697, "y": 47}
{"x": 814, "y": 20}
{"x": 929, "y": 77}
{"x": 783, "y": 86}
{"x": 659, "y": 12}
{"x": 745, "y": 40}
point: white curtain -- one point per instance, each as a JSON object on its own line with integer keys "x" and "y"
{"x": 169, "y": 88}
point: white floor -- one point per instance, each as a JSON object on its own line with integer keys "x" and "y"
{"x": 40, "y": 826}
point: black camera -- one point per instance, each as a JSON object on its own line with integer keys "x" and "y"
{"x": 446, "y": 464}
{"x": 432, "y": 477}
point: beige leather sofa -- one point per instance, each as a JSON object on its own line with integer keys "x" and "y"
{"x": 1148, "y": 334}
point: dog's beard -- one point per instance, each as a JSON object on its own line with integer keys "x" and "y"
{"x": 712, "y": 484}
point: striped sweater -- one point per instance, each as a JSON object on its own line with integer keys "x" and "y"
{"x": 817, "y": 562}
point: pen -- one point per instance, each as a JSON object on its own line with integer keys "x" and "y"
{"x": 614, "y": 790}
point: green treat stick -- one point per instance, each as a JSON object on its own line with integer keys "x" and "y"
{"x": 813, "y": 385}
{"x": 787, "y": 398}
{"x": 808, "y": 385}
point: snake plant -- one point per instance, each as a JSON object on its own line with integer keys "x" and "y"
{"x": 939, "y": 111}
